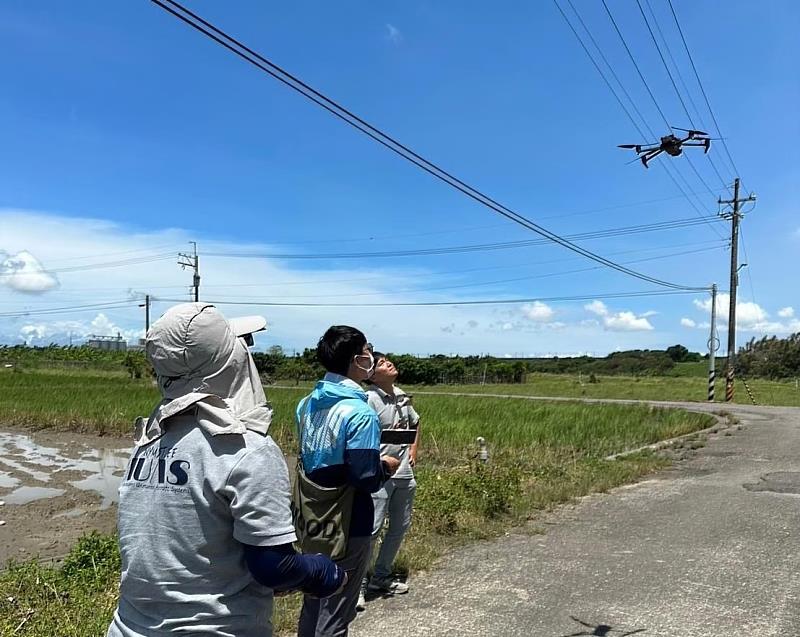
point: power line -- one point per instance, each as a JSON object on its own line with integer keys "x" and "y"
{"x": 644, "y": 81}
{"x": 710, "y": 245}
{"x": 389, "y": 142}
{"x": 702, "y": 89}
{"x": 495, "y": 282}
{"x": 69, "y": 309}
{"x": 680, "y": 97}
{"x": 552, "y": 299}
{"x": 630, "y": 99}
{"x": 636, "y": 65}
{"x": 100, "y": 266}
{"x": 675, "y": 65}
{"x": 481, "y": 247}
{"x": 118, "y": 252}
{"x": 750, "y": 276}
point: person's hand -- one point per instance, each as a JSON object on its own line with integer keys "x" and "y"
{"x": 412, "y": 457}
{"x": 328, "y": 575}
{"x": 392, "y": 464}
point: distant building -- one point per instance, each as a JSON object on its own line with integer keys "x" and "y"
{"x": 137, "y": 347}
{"x": 107, "y": 343}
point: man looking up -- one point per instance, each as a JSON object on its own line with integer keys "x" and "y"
{"x": 395, "y": 499}
{"x": 339, "y": 449}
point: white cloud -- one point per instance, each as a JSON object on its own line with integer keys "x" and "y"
{"x": 627, "y": 322}
{"x": 23, "y": 272}
{"x": 597, "y": 307}
{"x": 620, "y": 321}
{"x": 538, "y": 311}
{"x": 75, "y": 241}
{"x": 76, "y": 331}
{"x": 687, "y": 322}
{"x": 751, "y": 317}
{"x": 393, "y": 34}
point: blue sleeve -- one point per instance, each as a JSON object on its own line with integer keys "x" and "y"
{"x": 282, "y": 569}
{"x": 362, "y": 453}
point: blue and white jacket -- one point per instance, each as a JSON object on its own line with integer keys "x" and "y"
{"x": 340, "y": 444}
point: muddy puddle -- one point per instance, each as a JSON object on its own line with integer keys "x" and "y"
{"x": 54, "y": 487}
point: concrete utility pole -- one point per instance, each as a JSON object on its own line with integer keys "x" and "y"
{"x": 146, "y": 306}
{"x": 735, "y": 215}
{"x": 713, "y": 346}
{"x": 192, "y": 261}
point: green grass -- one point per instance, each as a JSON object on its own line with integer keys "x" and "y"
{"x": 680, "y": 388}
{"x": 541, "y": 454}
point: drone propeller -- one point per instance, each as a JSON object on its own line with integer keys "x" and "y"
{"x": 690, "y": 131}
{"x": 627, "y": 145}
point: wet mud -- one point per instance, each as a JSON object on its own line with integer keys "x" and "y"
{"x": 56, "y": 486}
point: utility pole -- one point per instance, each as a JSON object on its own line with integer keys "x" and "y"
{"x": 192, "y": 261}
{"x": 713, "y": 346}
{"x": 735, "y": 215}
{"x": 146, "y": 306}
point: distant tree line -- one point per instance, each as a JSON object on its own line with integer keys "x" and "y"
{"x": 771, "y": 357}
{"x": 440, "y": 369}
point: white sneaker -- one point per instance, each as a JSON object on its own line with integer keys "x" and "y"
{"x": 361, "y": 604}
{"x": 388, "y": 587}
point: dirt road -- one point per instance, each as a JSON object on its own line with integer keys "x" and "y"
{"x": 706, "y": 549}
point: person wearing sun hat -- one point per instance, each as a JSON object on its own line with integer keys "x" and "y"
{"x": 205, "y": 527}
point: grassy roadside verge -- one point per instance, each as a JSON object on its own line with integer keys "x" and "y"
{"x": 766, "y": 392}
{"x": 542, "y": 454}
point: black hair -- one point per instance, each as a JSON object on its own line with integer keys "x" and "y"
{"x": 378, "y": 355}
{"x": 337, "y": 347}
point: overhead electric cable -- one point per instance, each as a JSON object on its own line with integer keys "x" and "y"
{"x": 552, "y": 299}
{"x": 680, "y": 99}
{"x": 750, "y": 277}
{"x": 99, "y": 266}
{"x": 117, "y": 252}
{"x": 675, "y": 65}
{"x": 636, "y": 65}
{"x": 461, "y": 249}
{"x": 70, "y": 309}
{"x": 389, "y": 142}
{"x": 474, "y": 284}
{"x": 709, "y": 246}
{"x": 666, "y": 167}
{"x": 702, "y": 89}
{"x": 644, "y": 81}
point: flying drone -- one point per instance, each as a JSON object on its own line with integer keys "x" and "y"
{"x": 671, "y": 144}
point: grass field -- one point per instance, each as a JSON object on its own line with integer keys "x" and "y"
{"x": 678, "y": 388}
{"x": 541, "y": 454}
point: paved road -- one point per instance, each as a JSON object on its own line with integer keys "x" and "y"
{"x": 706, "y": 549}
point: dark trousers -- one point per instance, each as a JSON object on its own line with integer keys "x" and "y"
{"x": 331, "y": 616}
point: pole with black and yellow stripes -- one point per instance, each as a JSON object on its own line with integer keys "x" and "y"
{"x": 713, "y": 345}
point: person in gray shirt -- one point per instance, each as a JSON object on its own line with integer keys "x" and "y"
{"x": 205, "y": 528}
{"x": 395, "y": 500}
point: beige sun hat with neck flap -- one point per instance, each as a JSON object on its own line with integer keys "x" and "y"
{"x": 203, "y": 364}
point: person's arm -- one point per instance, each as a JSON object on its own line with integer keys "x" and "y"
{"x": 412, "y": 450}
{"x": 413, "y": 417}
{"x": 282, "y": 569}
{"x": 366, "y": 470}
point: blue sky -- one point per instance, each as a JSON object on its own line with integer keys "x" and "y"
{"x": 126, "y": 134}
